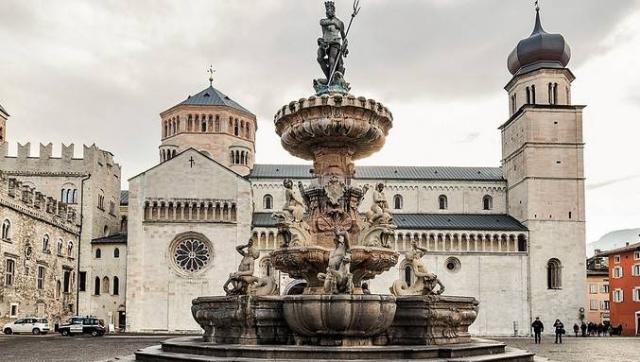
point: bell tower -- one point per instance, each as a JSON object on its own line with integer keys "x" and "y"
{"x": 542, "y": 160}
{"x": 3, "y": 125}
{"x": 213, "y": 124}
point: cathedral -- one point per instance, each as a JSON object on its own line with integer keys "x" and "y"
{"x": 512, "y": 236}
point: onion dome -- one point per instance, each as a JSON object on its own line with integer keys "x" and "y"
{"x": 539, "y": 50}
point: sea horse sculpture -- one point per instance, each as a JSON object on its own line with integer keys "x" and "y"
{"x": 426, "y": 283}
{"x": 338, "y": 278}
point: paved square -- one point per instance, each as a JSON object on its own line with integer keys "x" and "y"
{"x": 599, "y": 349}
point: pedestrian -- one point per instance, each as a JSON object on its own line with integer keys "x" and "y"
{"x": 576, "y": 329}
{"x": 600, "y": 328}
{"x": 365, "y": 288}
{"x": 559, "y": 330}
{"x": 583, "y": 328}
{"x": 538, "y": 327}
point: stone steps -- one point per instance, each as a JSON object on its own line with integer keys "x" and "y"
{"x": 192, "y": 349}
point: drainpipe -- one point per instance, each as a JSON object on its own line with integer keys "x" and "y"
{"x": 80, "y": 242}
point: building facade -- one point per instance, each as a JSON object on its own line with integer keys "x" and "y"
{"x": 39, "y": 252}
{"x": 624, "y": 287}
{"x": 599, "y": 307}
{"x": 90, "y": 186}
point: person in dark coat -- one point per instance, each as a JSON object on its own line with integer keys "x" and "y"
{"x": 576, "y": 329}
{"x": 538, "y": 327}
{"x": 559, "y": 330}
{"x": 583, "y": 328}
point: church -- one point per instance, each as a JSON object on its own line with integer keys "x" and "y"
{"x": 511, "y": 235}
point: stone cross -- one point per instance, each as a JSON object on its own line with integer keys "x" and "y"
{"x": 191, "y": 161}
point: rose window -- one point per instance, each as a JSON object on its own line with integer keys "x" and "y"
{"x": 192, "y": 255}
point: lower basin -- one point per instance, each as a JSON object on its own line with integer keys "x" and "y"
{"x": 346, "y": 320}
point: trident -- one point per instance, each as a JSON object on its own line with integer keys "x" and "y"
{"x": 356, "y": 10}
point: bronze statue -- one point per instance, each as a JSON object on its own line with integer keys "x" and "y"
{"x": 426, "y": 283}
{"x": 332, "y": 48}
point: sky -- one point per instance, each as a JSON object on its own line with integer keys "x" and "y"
{"x": 102, "y": 71}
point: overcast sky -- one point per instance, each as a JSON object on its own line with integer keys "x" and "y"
{"x": 101, "y": 71}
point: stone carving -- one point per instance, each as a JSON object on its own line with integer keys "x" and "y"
{"x": 338, "y": 278}
{"x": 426, "y": 283}
{"x": 432, "y": 320}
{"x": 244, "y": 282}
{"x": 378, "y": 223}
{"x": 293, "y": 230}
{"x": 379, "y": 213}
{"x": 332, "y": 48}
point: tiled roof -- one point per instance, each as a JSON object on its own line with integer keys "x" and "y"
{"x": 627, "y": 248}
{"x": 124, "y": 197}
{"x": 387, "y": 172}
{"x": 483, "y": 222}
{"x": 213, "y": 97}
{"x": 112, "y": 239}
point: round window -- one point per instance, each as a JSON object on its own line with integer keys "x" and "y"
{"x": 191, "y": 253}
{"x": 452, "y": 264}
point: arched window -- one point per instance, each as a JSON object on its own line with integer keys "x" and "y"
{"x": 116, "y": 286}
{"x": 116, "y": 253}
{"x": 408, "y": 275}
{"x": 6, "y": 230}
{"x": 60, "y": 246}
{"x": 203, "y": 127}
{"x": 487, "y": 202}
{"x": 442, "y": 202}
{"x": 98, "y": 253}
{"x": 105, "y": 285}
{"x": 528, "y": 96}
{"x": 550, "y": 91}
{"x": 397, "y": 202}
{"x": 555, "y": 93}
{"x": 69, "y": 248}
{"x": 533, "y": 94}
{"x": 554, "y": 274}
{"x": 106, "y": 231}
{"x": 45, "y": 243}
{"x": 96, "y": 286}
{"x": 267, "y": 202}
{"x": 236, "y": 129}
{"x": 217, "y": 123}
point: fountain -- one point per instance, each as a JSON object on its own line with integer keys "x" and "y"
{"x": 328, "y": 243}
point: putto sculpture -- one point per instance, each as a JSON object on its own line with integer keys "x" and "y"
{"x": 332, "y": 49}
{"x": 244, "y": 282}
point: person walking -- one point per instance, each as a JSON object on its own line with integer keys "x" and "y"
{"x": 559, "y": 330}
{"x": 576, "y": 329}
{"x": 583, "y": 328}
{"x": 538, "y": 327}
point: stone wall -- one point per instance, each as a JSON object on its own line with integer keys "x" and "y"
{"x": 96, "y": 179}
{"x": 159, "y": 290}
{"x": 42, "y": 237}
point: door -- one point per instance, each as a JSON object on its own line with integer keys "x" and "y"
{"x": 637, "y": 323}
{"x": 18, "y": 326}
{"x": 122, "y": 320}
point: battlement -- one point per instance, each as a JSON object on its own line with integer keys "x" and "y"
{"x": 23, "y": 197}
{"x": 92, "y": 157}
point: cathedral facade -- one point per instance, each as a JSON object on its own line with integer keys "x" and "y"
{"x": 511, "y": 236}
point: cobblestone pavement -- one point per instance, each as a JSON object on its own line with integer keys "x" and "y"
{"x": 592, "y": 349}
{"x": 54, "y": 347}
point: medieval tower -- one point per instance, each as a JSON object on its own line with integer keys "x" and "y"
{"x": 542, "y": 160}
{"x": 213, "y": 124}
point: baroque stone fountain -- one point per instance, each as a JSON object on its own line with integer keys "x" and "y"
{"x": 328, "y": 243}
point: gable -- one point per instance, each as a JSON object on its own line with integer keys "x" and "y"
{"x": 191, "y": 174}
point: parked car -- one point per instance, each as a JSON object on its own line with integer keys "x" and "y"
{"x": 34, "y": 326}
{"x": 83, "y": 325}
